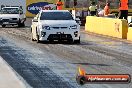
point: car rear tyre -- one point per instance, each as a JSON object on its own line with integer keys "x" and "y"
{"x": 3, "y": 25}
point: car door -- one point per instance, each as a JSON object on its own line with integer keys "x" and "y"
{"x": 34, "y": 26}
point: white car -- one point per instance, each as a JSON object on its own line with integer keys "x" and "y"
{"x": 12, "y": 16}
{"x": 52, "y": 25}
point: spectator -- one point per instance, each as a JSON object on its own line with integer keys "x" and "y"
{"x": 123, "y": 9}
{"x": 101, "y": 13}
{"x": 93, "y": 9}
{"x": 107, "y": 9}
{"x": 59, "y": 5}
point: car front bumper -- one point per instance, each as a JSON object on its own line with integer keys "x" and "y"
{"x": 9, "y": 22}
{"x": 60, "y": 35}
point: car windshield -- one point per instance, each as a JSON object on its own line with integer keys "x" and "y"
{"x": 56, "y": 16}
{"x": 10, "y": 11}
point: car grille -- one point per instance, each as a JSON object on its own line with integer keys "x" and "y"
{"x": 59, "y": 27}
{"x": 5, "y": 20}
{"x": 14, "y": 18}
{"x": 60, "y": 36}
{"x": 55, "y": 27}
{"x": 63, "y": 27}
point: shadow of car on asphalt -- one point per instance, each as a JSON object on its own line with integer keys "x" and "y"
{"x": 58, "y": 42}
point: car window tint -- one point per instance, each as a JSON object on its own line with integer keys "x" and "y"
{"x": 56, "y": 16}
{"x": 10, "y": 11}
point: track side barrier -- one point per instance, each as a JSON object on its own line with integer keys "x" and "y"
{"x": 129, "y": 34}
{"x": 107, "y": 26}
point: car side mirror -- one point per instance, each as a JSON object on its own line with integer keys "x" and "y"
{"x": 34, "y": 20}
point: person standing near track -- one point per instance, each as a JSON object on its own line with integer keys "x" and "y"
{"x": 107, "y": 9}
{"x": 59, "y": 5}
{"x": 93, "y": 9}
{"x": 123, "y": 9}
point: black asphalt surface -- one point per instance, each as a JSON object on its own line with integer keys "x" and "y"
{"x": 36, "y": 76}
{"x": 46, "y": 65}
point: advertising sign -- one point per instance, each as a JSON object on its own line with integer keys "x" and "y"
{"x": 34, "y": 6}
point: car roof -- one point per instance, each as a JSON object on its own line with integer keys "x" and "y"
{"x": 55, "y": 11}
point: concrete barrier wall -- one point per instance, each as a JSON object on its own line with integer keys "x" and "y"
{"x": 129, "y": 34}
{"x": 107, "y": 26}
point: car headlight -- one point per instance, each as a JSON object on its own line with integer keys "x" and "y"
{"x": 43, "y": 34}
{"x": 74, "y": 27}
{"x": 46, "y": 27}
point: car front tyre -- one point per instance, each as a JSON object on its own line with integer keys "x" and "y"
{"x": 3, "y": 25}
{"x": 19, "y": 24}
{"x": 70, "y": 41}
{"x": 77, "y": 41}
{"x": 23, "y": 24}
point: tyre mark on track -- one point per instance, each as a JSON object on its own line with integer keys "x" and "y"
{"x": 37, "y": 77}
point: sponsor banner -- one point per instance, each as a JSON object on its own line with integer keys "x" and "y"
{"x": 83, "y": 78}
{"x": 34, "y": 6}
{"x": 112, "y": 78}
{"x": 104, "y": 78}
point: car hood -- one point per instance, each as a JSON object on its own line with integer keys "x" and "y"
{"x": 59, "y": 22}
{"x": 8, "y": 16}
